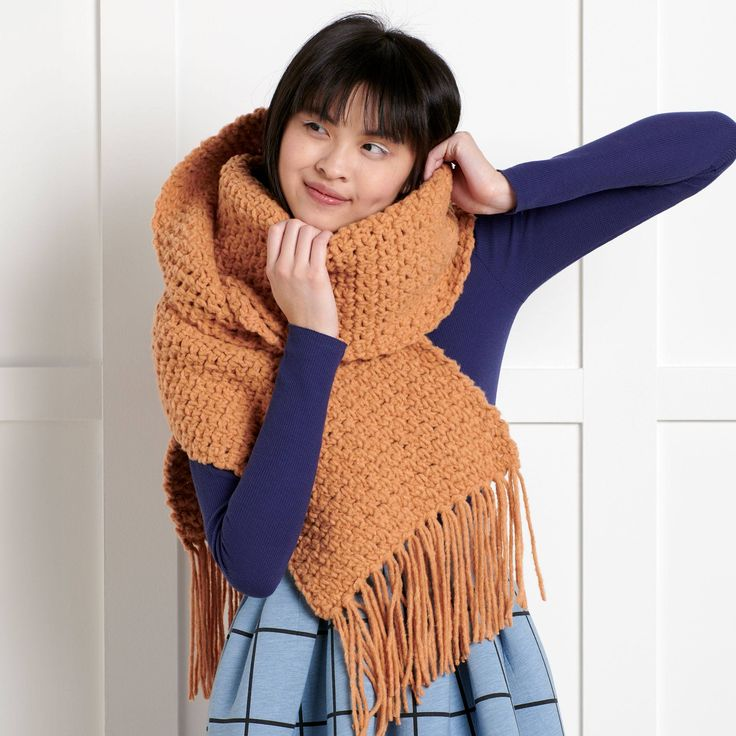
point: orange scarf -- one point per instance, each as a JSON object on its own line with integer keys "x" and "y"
{"x": 405, "y": 545}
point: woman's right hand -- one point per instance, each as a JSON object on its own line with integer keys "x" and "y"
{"x": 296, "y": 269}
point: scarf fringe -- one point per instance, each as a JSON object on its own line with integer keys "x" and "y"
{"x": 438, "y": 580}
{"x": 470, "y": 589}
{"x": 211, "y": 594}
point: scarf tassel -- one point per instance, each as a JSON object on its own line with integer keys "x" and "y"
{"x": 211, "y": 595}
{"x": 436, "y": 578}
{"x": 445, "y": 589}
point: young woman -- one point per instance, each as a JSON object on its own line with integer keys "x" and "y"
{"x": 362, "y": 117}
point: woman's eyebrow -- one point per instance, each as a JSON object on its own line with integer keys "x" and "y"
{"x": 332, "y": 121}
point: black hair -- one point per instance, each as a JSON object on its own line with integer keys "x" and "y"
{"x": 410, "y": 85}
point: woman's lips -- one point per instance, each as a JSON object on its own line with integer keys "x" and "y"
{"x": 323, "y": 198}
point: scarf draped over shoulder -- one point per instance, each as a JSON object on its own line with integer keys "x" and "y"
{"x": 412, "y": 541}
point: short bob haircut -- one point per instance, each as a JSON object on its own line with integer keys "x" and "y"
{"x": 412, "y": 87}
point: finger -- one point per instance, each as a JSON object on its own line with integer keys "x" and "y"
{"x": 273, "y": 243}
{"x": 288, "y": 243}
{"x": 318, "y": 255}
{"x": 303, "y": 245}
{"x": 434, "y": 157}
{"x": 434, "y": 160}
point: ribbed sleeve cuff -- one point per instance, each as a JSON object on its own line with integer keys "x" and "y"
{"x": 312, "y": 347}
{"x": 525, "y": 179}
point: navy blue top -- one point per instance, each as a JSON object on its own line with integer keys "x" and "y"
{"x": 566, "y": 206}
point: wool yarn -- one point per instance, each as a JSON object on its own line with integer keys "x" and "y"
{"x": 412, "y": 540}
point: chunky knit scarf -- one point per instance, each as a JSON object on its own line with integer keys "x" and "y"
{"x": 405, "y": 545}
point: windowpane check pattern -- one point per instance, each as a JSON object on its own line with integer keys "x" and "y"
{"x": 282, "y": 672}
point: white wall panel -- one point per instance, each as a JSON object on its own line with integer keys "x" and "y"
{"x": 51, "y": 567}
{"x": 50, "y": 295}
{"x": 697, "y": 251}
{"x": 51, "y": 548}
{"x": 143, "y": 691}
{"x": 696, "y": 642}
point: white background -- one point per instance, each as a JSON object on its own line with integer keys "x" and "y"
{"x": 619, "y": 378}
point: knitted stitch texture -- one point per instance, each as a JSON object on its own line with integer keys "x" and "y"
{"x": 412, "y": 541}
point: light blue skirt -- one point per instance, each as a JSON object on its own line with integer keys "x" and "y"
{"x": 282, "y": 671}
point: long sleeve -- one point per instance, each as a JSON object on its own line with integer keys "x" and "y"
{"x": 252, "y": 523}
{"x": 572, "y": 203}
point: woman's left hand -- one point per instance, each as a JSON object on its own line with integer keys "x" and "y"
{"x": 477, "y": 187}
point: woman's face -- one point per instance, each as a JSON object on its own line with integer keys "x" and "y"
{"x": 368, "y": 171}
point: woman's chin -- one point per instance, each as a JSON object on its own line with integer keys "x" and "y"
{"x": 316, "y": 218}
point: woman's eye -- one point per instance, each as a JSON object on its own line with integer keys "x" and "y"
{"x": 382, "y": 150}
{"x": 311, "y": 122}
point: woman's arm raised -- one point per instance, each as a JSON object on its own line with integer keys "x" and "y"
{"x": 570, "y": 204}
